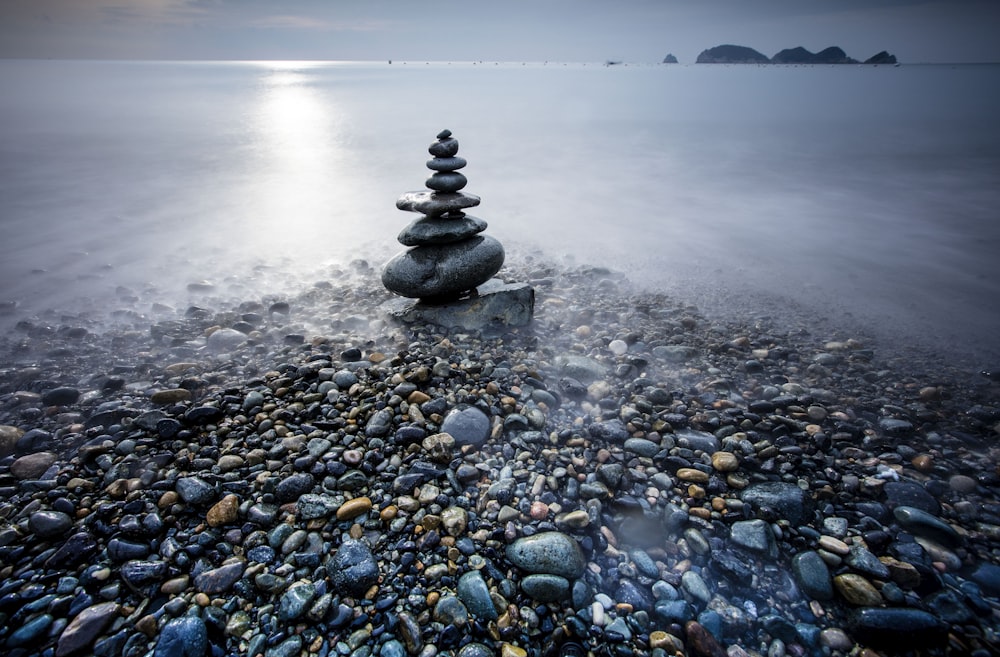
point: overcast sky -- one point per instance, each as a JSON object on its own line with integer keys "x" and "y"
{"x": 498, "y": 30}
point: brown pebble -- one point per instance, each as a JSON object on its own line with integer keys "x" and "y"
{"x": 351, "y": 509}
{"x": 692, "y": 475}
{"x": 857, "y": 590}
{"x": 725, "y": 461}
{"x": 701, "y": 642}
{"x": 32, "y": 466}
{"x": 923, "y": 462}
{"x": 170, "y": 396}
{"x": 224, "y": 511}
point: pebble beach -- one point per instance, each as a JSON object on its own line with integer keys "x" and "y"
{"x": 625, "y": 476}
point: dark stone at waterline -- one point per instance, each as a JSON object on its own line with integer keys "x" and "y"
{"x": 898, "y": 628}
{"x": 494, "y": 304}
{"x": 60, "y": 396}
{"x": 437, "y": 271}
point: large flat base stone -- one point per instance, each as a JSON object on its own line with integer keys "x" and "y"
{"x": 495, "y": 303}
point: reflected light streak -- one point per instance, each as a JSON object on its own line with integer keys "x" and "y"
{"x": 296, "y": 157}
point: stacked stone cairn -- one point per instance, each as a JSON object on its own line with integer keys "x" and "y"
{"x": 449, "y": 265}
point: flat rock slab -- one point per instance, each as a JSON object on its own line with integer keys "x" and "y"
{"x": 495, "y": 304}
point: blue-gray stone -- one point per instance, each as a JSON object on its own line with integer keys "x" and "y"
{"x": 893, "y": 427}
{"x": 925, "y": 525}
{"x": 813, "y": 575}
{"x": 476, "y": 650}
{"x": 31, "y": 631}
{"x": 697, "y": 440}
{"x": 120, "y": 550}
{"x": 292, "y": 487}
{"x": 311, "y": 506}
{"x": 379, "y": 424}
{"x": 642, "y": 447}
{"x": 619, "y": 627}
{"x": 353, "y": 567}
{"x": 473, "y": 592}
{"x": 611, "y": 431}
{"x": 253, "y": 399}
{"x": 290, "y": 647}
{"x": 392, "y": 648}
{"x": 186, "y": 636}
{"x": 862, "y": 560}
{"x": 674, "y": 611}
{"x": 441, "y": 230}
{"x": 468, "y": 426}
{"x": 437, "y": 271}
{"x": 786, "y": 499}
{"x": 550, "y": 553}
{"x": 644, "y": 563}
{"x": 754, "y": 535}
{"x": 49, "y": 524}
{"x": 139, "y": 574}
{"x": 908, "y": 493}
{"x": 295, "y": 601}
{"x": 344, "y": 379}
{"x": 631, "y": 593}
{"x": 60, "y": 396}
{"x": 546, "y": 588}
{"x": 695, "y": 586}
{"x": 987, "y": 575}
{"x": 195, "y": 490}
{"x": 436, "y": 203}
{"x": 583, "y": 369}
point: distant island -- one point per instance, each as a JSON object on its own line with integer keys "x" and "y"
{"x": 729, "y": 54}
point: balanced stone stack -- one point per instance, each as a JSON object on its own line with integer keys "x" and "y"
{"x": 450, "y": 264}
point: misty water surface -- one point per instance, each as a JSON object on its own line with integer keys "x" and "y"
{"x": 856, "y": 195}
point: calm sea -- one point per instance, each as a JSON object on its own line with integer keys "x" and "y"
{"x": 854, "y": 195}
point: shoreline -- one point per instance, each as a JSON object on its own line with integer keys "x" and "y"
{"x": 220, "y": 479}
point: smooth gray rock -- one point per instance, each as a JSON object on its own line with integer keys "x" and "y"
{"x": 546, "y": 588}
{"x": 444, "y": 147}
{"x": 551, "y": 553}
{"x": 436, "y": 203}
{"x": 494, "y": 304}
{"x": 447, "y": 181}
{"x": 468, "y": 426}
{"x": 475, "y": 595}
{"x": 446, "y": 163}
{"x": 813, "y": 575}
{"x": 443, "y": 270}
{"x": 923, "y": 524}
{"x": 441, "y": 230}
{"x": 754, "y": 535}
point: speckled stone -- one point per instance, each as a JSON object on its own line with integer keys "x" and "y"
{"x": 550, "y": 553}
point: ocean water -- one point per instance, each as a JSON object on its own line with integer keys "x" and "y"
{"x": 862, "y": 197}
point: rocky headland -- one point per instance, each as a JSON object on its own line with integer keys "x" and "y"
{"x": 295, "y": 475}
{"x": 729, "y": 54}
